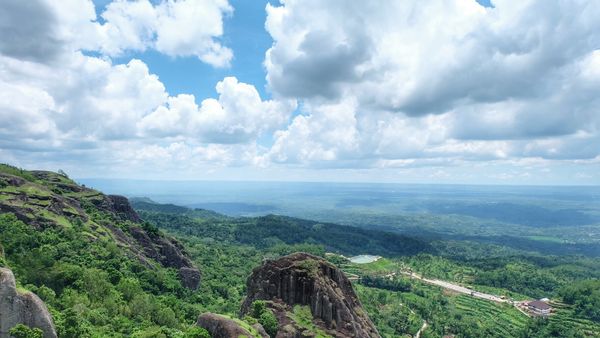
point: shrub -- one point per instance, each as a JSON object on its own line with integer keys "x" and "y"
{"x": 196, "y": 332}
{"x": 22, "y": 331}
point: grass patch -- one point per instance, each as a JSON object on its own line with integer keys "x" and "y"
{"x": 302, "y": 316}
{"x": 10, "y": 170}
{"x": 244, "y": 325}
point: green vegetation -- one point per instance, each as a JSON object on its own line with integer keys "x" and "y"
{"x": 302, "y": 316}
{"x": 265, "y": 317}
{"x": 11, "y": 170}
{"x": 22, "y": 331}
{"x": 585, "y": 297}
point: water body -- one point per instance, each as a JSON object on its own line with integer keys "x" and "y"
{"x": 364, "y": 259}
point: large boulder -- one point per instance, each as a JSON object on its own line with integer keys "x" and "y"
{"x": 306, "y": 280}
{"x": 223, "y": 327}
{"x": 21, "y": 308}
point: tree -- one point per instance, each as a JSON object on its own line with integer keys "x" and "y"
{"x": 196, "y": 332}
{"x": 265, "y": 317}
{"x": 22, "y": 331}
{"x": 269, "y": 322}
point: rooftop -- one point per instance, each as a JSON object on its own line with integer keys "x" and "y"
{"x": 538, "y": 304}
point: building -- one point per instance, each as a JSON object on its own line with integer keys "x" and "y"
{"x": 540, "y": 308}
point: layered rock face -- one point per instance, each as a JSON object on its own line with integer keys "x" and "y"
{"x": 304, "y": 279}
{"x": 222, "y": 327}
{"x": 21, "y": 308}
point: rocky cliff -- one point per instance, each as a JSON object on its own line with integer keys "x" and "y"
{"x": 46, "y": 199}
{"x": 21, "y": 308}
{"x": 302, "y": 279}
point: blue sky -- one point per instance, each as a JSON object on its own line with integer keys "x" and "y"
{"x": 243, "y": 32}
{"x": 458, "y": 91}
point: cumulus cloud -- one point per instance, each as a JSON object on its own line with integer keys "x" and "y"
{"x": 176, "y": 28}
{"x": 432, "y": 86}
{"x": 238, "y": 115}
{"x": 43, "y": 30}
{"x": 72, "y": 102}
{"x": 438, "y": 79}
{"x": 29, "y": 30}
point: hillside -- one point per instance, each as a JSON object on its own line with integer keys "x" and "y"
{"x": 98, "y": 267}
{"x": 270, "y": 230}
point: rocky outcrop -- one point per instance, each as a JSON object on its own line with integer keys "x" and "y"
{"x": 169, "y": 253}
{"x": 222, "y": 327}
{"x": 117, "y": 205}
{"x": 121, "y": 207}
{"x": 21, "y": 308}
{"x": 304, "y": 279}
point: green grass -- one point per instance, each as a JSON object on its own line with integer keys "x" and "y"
{"x": 60, "y": 220}
{"x": 302, "y": 316}
{"x": 10, "y": 170}
{"x": 381, "y": 266}
{"x": 244, "y": 325}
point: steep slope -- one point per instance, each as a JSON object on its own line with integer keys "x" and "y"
{"x": 17, "y": 307}
{"x": 100, "y": 269}
{"x": 46, "y": 199}
{"x": 301, "y": 280}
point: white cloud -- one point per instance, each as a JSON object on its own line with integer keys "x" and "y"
{"x": 44, "y": 30}
{"x": 175, "y": 28}
{"x": 432, "y": 87}
{"x": 437, "y": 79}
{"x": 238, "y": 115}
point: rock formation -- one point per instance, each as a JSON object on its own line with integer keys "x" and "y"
{"x": 222, "y": 327}
{"x": 21, "y": 308}
{"x": 169, "y": 253}
{"x": 304, "y": 279}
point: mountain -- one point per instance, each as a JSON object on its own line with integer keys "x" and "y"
{"x": 300, "y": 283}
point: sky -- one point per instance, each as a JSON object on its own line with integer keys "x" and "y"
{"x": 438, "y": 91}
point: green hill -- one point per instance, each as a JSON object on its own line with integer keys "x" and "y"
{"x": 99, "y": 268}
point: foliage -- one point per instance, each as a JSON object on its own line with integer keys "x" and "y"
{"x": 387, "y": 283}
{"x": 196, "y": 332}
{"x": 265, "y": 317}
{"x": 11, "y": 170}
{"x": 269, "y": 322}
{"x": 22, "y": 331}
{"x": 585, "y": 296}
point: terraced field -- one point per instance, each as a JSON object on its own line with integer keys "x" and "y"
{"x": 566, "y": 317}
{"x": 508, "y": 319}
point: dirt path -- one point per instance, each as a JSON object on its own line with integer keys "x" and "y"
{"x": 418, "y": 334}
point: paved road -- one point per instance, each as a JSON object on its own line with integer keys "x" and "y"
{"x": 458, "y": 288}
